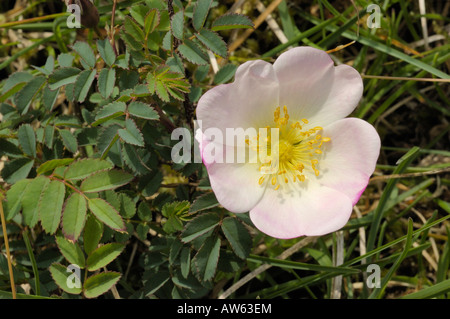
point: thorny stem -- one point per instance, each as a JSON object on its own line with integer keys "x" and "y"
{"x": 112, "y": 28}
{"x": 8, "y": 255}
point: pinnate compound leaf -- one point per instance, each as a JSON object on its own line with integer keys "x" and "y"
{"x": 71, "y": 251}
{"x": 62, "y": 276}
{"x": 107, "y": 214}
{"x": 14, "y": 196}
{"x": 98, "y": 284}
{"x": 206, "y": 259}
{"x": 85, "y": 52}
{"x": 199, "y": 226}
{"x": 62, "y": 76}
{"x": 50, "y": 206}
{"x": 106, "y": 82}
{"x": 105, "y": 180}
{"x": 232, "y": 21}
{"x": 103, "y": 255}
{"x": 131, "y": 133}
{"x": 213, "y": 42}
{"x": 238, "y": 236}
{"x": 31, "y": 197}
{"x": 27, "y": 139}
{"x": 74, "y": 216}
{"x": 201, "y": 10}
{"x": 142, "y": 110}
{"x": 106, "y": 51}
{"x": 83, "y": 84}
{"x": 86, "y": 167}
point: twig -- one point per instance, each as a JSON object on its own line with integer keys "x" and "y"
{"x": 112, "y": 28}
{"x": 8, "y": 255}
{"x": 288, "y": 252}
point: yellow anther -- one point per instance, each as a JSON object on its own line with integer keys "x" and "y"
{"x": 286, "y": 180}
{"x": 274, "y": 180}
{"x": 305, "y": 121}
{"x": 261, "y": 180}
{"x": 317, "y": 151}
{"x": 316, "y": 172}
{"x": 277, "y": 187}
{"x": 326, "y": 139}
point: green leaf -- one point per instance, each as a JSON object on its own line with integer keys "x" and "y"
{"x": 107, "y": 139}
{"x": 238, "y": 236}
{"x": 185, "y": 261}
{"x": 161, "y": 91}
{"x": 133, "y": 160}
{"x": 105, "y": 180}
{"x": 206, "y": 259}
{"x": 200, "y": 225}
{"x": 191, "y": 52}
{"x": 49, "y": 97}
{"x": 27, "y": 94}
{"x": 65, "y": 60}
{"x": 69, "y": 140}
{"x": 433, "y": 291}
{"x": 106, "y": 82}
{"x": 61, "y": 275}
{"x": 110, "y": 111}
{"x": 225, "y": 74}
{"x": 127, "y": 206}
{"x": 98, "y": 284}
{"x": 71, "y": 251}
{"x": 144, "y": 212}
{"x": 131, "y": 133}
{"x": 151, "y": 21}
{"x": 86, "y": 167}
{"x": 142, "y": 110}
{"x": 61, "y": 77}
{"x": 14, "y": 196}
{"x": 103, "y": 255}
{"x": 232, "y": 21}
{"x": 201, "y": 10}
{"x": 106, "y": 51}
{"x": 93, "y": 232}
{"x": 83, "y": 84}
{"x": 85, "y": 52}
{"x": 205, "y": 201}
{"x": 107, "y": 214}
{"x": 31, "y": 197}
{"x": 213, "y": 42}
{"x": 16, "y": 170}
{"x": 27, "y": 139}
{"x": 74, "y": 216}
{"x": 177, "y": 25}
{"x": 52, "y": 164}
{"x": 50, "y": 206}
{"x": 175, "y": 213}
{"x": 133, "y": 29}
{"x": 156, "y": 282}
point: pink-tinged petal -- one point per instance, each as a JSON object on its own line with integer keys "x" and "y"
{"x": 247, "y": 102}
{"x": 350, "y": 157}
{"x": 311, "y": 211}
{"x": 236, "y": 185}
{"x": 313, "y": 88}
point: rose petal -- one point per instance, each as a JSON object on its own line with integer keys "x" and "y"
{"x": 312, "y": 211}
{"x": 350, "y": 157}
{"x": 312, "y": 88}
{"x": 247, "y": 102}
{"x": 236, "y": 185}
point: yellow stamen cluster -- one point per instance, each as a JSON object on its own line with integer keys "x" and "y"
{"x": 299, "y": 150}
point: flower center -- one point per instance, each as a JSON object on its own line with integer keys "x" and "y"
{"x": 297, "y": 153}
